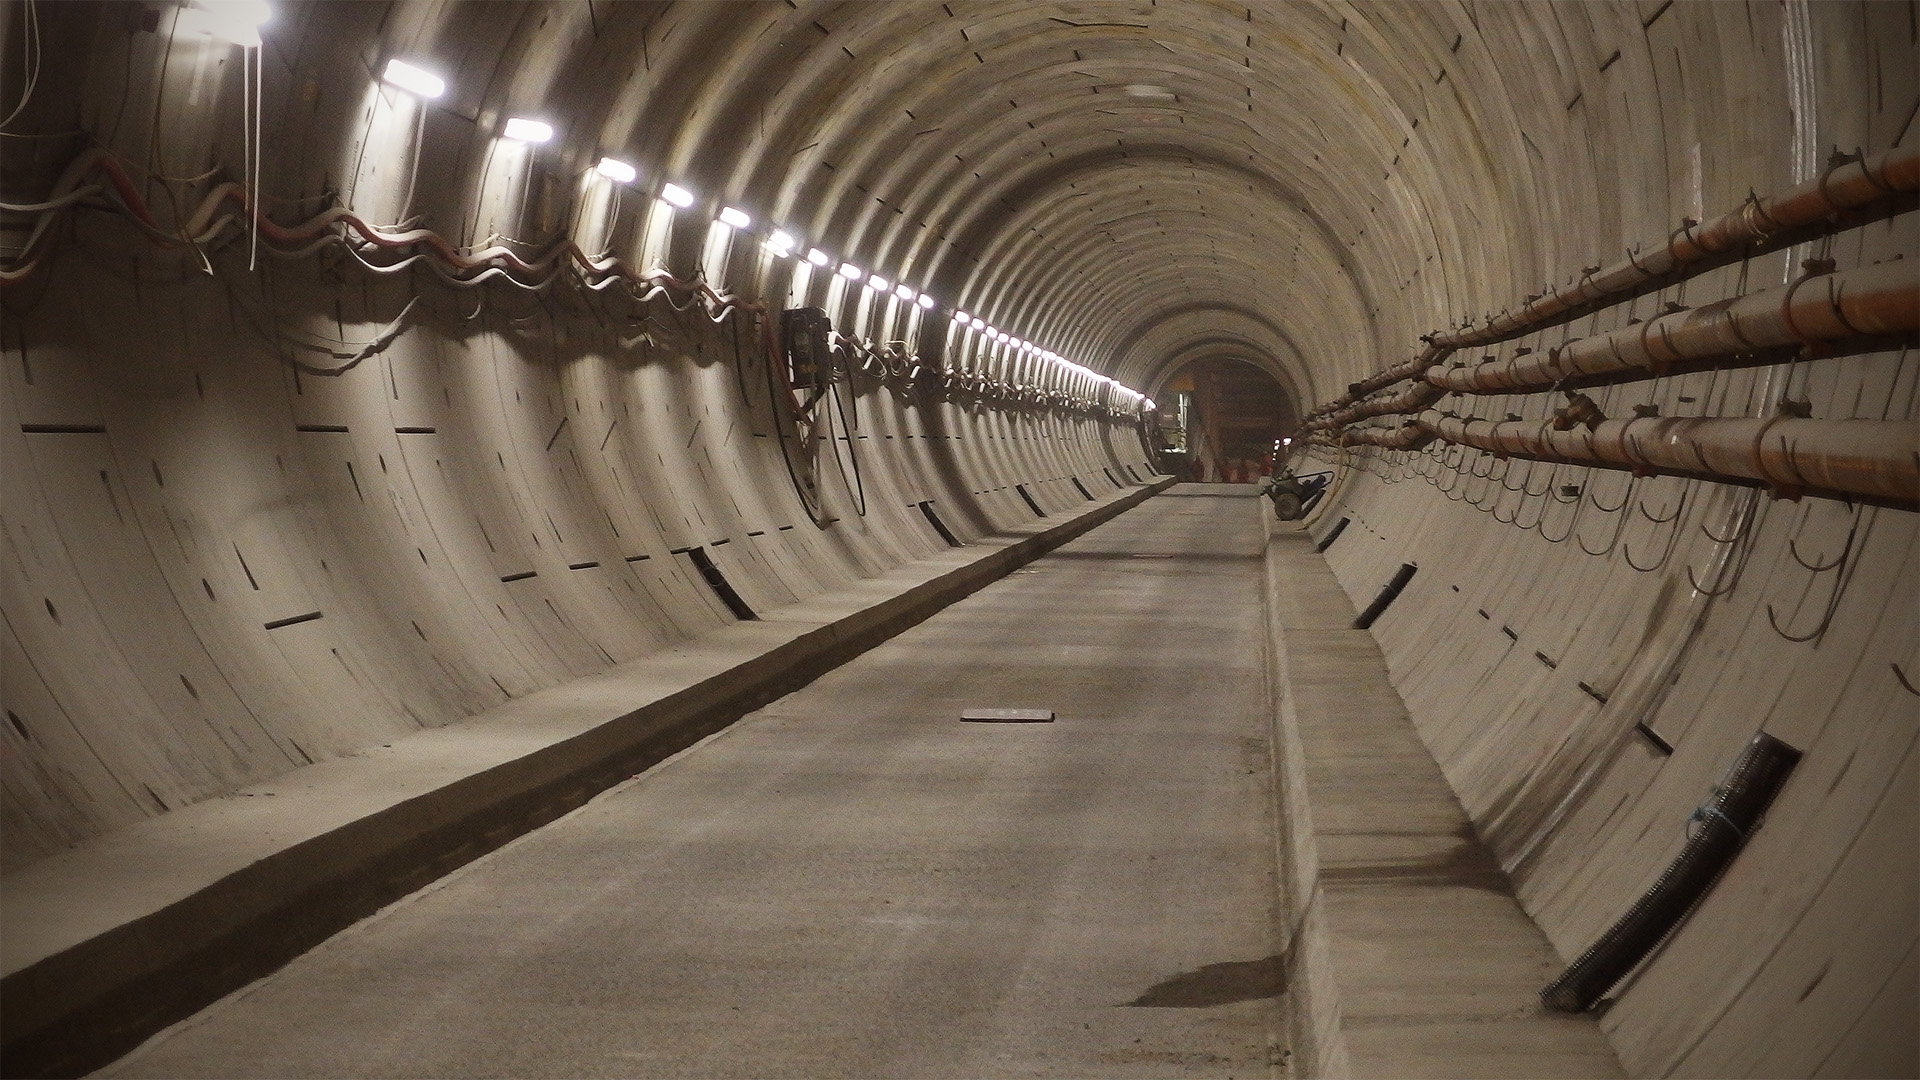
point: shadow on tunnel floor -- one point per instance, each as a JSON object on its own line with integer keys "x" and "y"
{"x": 1218, "y": 984}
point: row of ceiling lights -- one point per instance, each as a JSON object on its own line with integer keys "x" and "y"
{"x": 239, "y": 21}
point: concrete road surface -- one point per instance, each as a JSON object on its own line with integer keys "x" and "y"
{"x": 854, "y": 882}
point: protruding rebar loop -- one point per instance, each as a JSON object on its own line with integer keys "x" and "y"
{"x": 1841, "y": 580}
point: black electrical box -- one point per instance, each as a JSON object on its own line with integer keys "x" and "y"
{"x": 807, "y": 334}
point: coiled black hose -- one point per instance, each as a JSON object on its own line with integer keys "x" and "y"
{"x": 1725, "y": 821}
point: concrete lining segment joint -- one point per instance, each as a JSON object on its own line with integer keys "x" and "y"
{"x": 101, "y": 952}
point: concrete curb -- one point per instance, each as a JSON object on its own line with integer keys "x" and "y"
{"x": 1408, "y": 954}
{"x": 1315, "y": 1033}
{"x": 97, "y": 991}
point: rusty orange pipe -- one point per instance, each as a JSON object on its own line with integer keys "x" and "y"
{"x": 1876, "y": 460}
{"x": 1835, "y": 200}
{"x": 1868, "y": 306}
{"x": 1411, "y": 400}
{"x": 1844, "y": 197}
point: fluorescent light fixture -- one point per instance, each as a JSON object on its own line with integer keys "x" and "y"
{"x": 818, "y": 257}
{"x": 1286, "y": 442}
{"x": 238, "y": 21}
{"x": 781, "y": 243}
{"x": 978, "y": 323}
{"x": 735, "y": 218}
{"x": 926, "y": 302}
{"x": 675, "y": 195}
{"x": 903, "y": 292}
{"x": 878, "y": 283}
{"x": 531, "y": 131}
{"x": 851, "y": 272}
{"x": 1149, "y": 91}
{"x": 413, "y": 80}
{"x": 617, "y": 171}
{"x": 962, "y": 318}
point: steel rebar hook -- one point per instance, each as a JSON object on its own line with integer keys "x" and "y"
{"x": 1840, "y": 582}
{"x": 1748, "y": 514}
{"x": 1573, "y": 522}
{"x": 1620, "y": 523}
{"x": 1641, "y": 507}
{"x": 1624, "y": 499}
{"x": 1526, "y": 482}
{"x": 1537, "y": 518}
{"x": 1495, "y": 508}
{"x": 1673, "y": 538}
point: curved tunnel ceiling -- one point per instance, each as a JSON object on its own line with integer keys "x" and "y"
{"x": 1080, "y": 173}
{"x": 507, "y": 498}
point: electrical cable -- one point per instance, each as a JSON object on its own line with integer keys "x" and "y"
{"x": 336, "y": 226}
{"x": 858, "y": 488}
{"x": 31, "y": 48}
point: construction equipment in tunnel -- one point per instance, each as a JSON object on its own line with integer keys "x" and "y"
{"x": 1717, "y": 831}
{"x": 1293, "y": 496}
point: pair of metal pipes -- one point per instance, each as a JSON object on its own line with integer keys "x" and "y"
{"x": 1820, "y": 314}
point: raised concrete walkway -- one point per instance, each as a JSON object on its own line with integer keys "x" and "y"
{"x": 853, "y": 882}
{"x": 1412, "y": 956}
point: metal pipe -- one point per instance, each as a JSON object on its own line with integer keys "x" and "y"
{"x": 1875, "y": 460}
{"x": 1828, "y": 314}
{"x": 1849, "y": 194}
{"x": 1411, "y": 400}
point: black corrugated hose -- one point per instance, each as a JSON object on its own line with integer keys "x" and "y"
{"x": 1725, "y": 821}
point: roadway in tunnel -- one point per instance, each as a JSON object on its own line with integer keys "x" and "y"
{"x": 853, "y": 882}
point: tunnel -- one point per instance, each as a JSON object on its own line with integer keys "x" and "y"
{"x": 604, "y": 537}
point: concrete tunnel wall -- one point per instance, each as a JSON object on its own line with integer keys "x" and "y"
{"x": 1319, "y": 183}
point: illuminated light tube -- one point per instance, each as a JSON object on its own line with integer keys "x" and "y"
{"x": 903, "y": 292}
{"x": 781, "y": 243}
{"x": 962, "y": 318}
{"x": 851, "y": 272}
{"x": 925, "y": 302}
{"x": 528, "y": 131}
{"x": 978, "y": 323}
{"x": 675, "y": 195}
{"x": 413, "y": 80}
{"x": 878, "y": 283}
{"x": 617, "y": 171}
{"x": 735, "y": 218}
{"x": 818, "y": 257}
